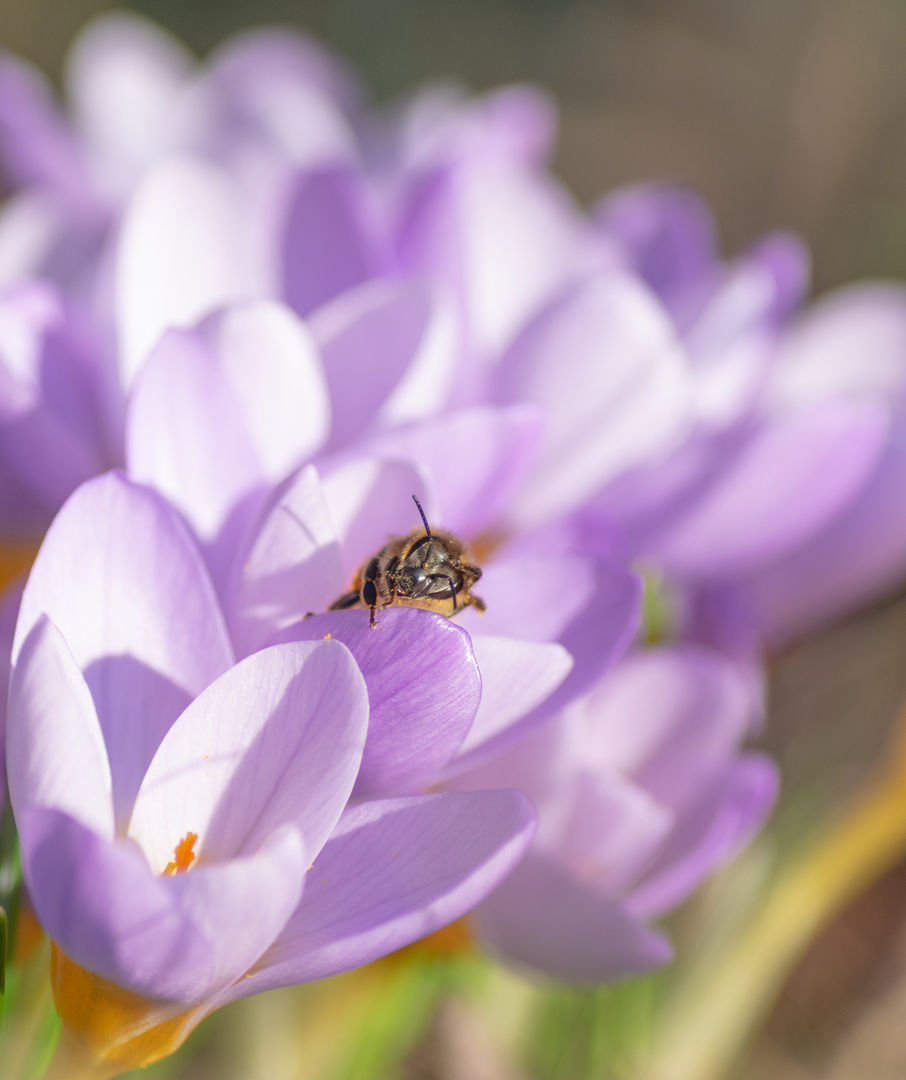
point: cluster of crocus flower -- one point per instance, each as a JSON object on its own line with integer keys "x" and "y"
{"x": 282, "y": 315}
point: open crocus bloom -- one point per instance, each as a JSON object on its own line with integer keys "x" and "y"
{"x": 642, "y": 791}
{"x": 184, "y": 820}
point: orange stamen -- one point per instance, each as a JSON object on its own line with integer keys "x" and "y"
{"x": 184, "y": 855}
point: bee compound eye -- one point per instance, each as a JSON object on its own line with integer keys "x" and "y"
{"x": 413, "y": 581}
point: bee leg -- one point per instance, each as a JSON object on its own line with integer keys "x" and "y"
{"x": 479, "y": 603}
{"x": 370, "y": 597}
{"x": 347, "y": 600}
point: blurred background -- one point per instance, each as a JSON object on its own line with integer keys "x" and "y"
{"x": 783, "y": 114}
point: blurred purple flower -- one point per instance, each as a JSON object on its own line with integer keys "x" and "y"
{"x": 134, "y": 742}
{"x": 642, "y": 792}
{"x": 781, "y": 505}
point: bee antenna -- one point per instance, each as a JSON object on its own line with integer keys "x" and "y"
{"x": 424, "y": 519}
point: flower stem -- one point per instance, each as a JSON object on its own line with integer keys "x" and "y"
{"x": 724, "y": 1001}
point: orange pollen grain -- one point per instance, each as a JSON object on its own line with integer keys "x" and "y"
{"x": 184, "y": 855}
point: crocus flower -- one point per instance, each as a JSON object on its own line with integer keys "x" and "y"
{"x": 780, "y": 508}
{"x": 184, "y": 820}
{"x": 642, "y": 791}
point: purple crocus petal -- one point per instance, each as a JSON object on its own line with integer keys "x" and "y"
{"x": 291, "y": 568}
{"x": 591, "y": 608}
{"x": 423, "y": 688}
{"x": 178, "y": 938}
{"x": 198, "y": 418}
{"x": 185, "y": 433}
{"x": 851, "y": 345}
{"x": 475, "y": 459}
{"x": 606, "y": 366}
{"x": 270, "y": 360}
{"x": 37, "y": 149}
{"x": 51, "y": 427}
{"x": 516, "y": 677}
{"x": 392, "y": 872}
{"x": 182, "y": 253}
{"x": 125, "y": 77}
{"x": 274, "y": 97}
{"x": 388, "y": 355}
{"x": 664, "y": 232}
{"x": 506, "y": 239}
{"x": 721, "y": 821}
{"x": 265, "y": 67}
{"x": 754, "y": 510}
{"x": 276, "y": 739}
{"x": 754, "y": 294}
{"x": 515, "y": 123}
{"x": 10, "y": 599}
{"x": 54, "y": 742}
{"x": 544, "y": 917}
{"x": 519, "y": 122}
{"x": 690, "y": 708}
{"x": 611, "y": 833}
{"x": 331, "y": 239}
{"x": 854, "y": 559}
{"x": 732, "y": 339}
{"x": 120, "y": 576}
{"x": 368, "y": 500}
{"x": 786, "y": 259}
{"x": 30, "y": 230}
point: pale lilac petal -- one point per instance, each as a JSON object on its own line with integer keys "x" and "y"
{"x": 388, "y": 355}
{"x": 714, "y": 829}
{"x": 475, "y": 460}
{"x": 591, "y": 608}
{"x": 783, "y": 484}
{"x": 52, "y": 431}
{"x": 850, "y": 345}
{"x": 611, "y": 834}
{"x": 36, "y": 146}
{"x": 370, "y": 500}
{"x": 271, "y": 362}
{"x": 423, "y": 685}
{"x": 124, "y": 79}
{"x": 331, "y": 239}
{"x": 10, "y": 599}
{"x": 264, "y": 68}
{"x": 505, "y": 238}
{"x": 264, "y": 106}
{"x": 516, "y": 123}
{"x": 689, "y": 708}
{"x": 753, "y": 294}
{"x": 732, "y": 340}
{"x": 664, "y": 232}
{"x": 292, "y": 567}
{"x": 120, "y": 576}
{"x": 516, "y": 677}
{"x": 54, "y": 744}
{"x": 857, "y": 557}
{"x": 30, "y": 228}
{"x": 544, "y": 917}
{"x": 606, "y": 366}
{"x": 178, "y": 938}
{"x": 182, "y": 253}
{"x": 393, "y": 872}
{"x": 186, "y": 434}
{"x": 277, "y": 739}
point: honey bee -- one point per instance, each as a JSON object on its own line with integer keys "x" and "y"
{"x": 425, "y": 569}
